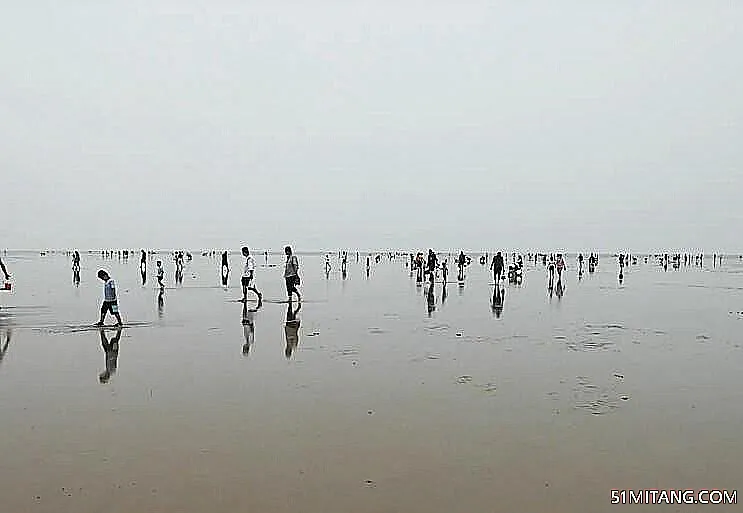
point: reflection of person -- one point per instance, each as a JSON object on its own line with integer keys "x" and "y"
{"x": 560, "y": 290}
{"x": 291, "y": 329}
{"x": 5, "y": 332}
{"x": 431, "y": 300}
{"x": 160, "y": 303}
{"x": 111, "y": 349}
{"x": 499, "y": 296}
{"x": 248, "y": 322}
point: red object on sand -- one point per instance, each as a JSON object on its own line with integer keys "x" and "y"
{"x": 7, "y": 286}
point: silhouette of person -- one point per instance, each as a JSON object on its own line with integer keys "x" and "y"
{"x": 559, "y": 290}
{"x": 461, "y": 262}
{"x": 225, "y": 269}
{"x": 291, "y": 329}
{"x": 111, "y": 351}
{"x": 432, "y": 261}
{"x": 76, "y": 268}
{"x": 497, "y": 266}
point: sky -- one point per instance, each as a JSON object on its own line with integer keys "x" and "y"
{"x": 568, "y": 125}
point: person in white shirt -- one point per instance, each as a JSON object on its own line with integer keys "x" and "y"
{"x": 110, "y": 302}
{"x": 248, "y": 276}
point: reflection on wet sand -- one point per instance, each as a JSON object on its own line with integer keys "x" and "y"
{"x": 541, "y": 410}
{"x": 6, "y": 333}
{"x": 498, "y": 300}
{"x": 291, "y": 328}
{"x": 160, "y": 303}
{"x": 111, "y": 352}
{"x": 248, "y": 323}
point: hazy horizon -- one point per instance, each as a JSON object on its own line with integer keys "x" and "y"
{"x": 407, "y": 125}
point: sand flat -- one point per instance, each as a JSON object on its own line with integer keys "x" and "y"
{"x": 382, "y": 406}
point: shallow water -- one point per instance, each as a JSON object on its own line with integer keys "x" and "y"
{"x": 382, "y": 406}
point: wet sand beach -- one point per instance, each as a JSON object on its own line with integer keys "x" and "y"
{"x": 382, "y": 406}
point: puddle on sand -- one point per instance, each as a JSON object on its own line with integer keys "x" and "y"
{"x": 596, "y": 399}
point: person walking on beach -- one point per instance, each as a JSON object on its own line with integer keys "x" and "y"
{"x": 225, "y": 265}
{"x": 248, "y": 276}
{"x": 419, "y": 267}
{"x": 551, "y": 271}
{"x": 497, "y": 266}
{"x": 461, "y": 262}
{"x": 160, "y": 274}
{"x": 432, "y": 261}
{"x": 445, "y": 270}
{"x": 291, "y": 274}
{"x": 76, "y": 268}
{"x": 5, "y": 271}
{"x": 110, "y": 302}
{"x": 560, "y": 265}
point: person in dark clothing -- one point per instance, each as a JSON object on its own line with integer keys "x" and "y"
{"x": 497, "y": 267}
{"x": 461, "y": 262}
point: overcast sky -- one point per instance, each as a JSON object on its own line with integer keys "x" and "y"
{"x": 522, "y": 124}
